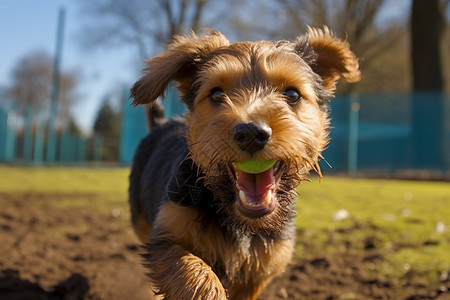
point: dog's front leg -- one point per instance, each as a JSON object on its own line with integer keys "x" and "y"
{"x": 179, "y": 274}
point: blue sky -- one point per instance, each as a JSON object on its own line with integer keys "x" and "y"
{"x": 28, "y": 25}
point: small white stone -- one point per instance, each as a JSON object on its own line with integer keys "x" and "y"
{"x": 340, "y": 215}
{"x": 440, "y": 227}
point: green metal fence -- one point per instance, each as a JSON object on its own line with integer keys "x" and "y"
{"x": 370, "y": 133}
{"x": 383, "y": 133}
{"x": 390, "y": 133}
{"x": 134, "y": 121}
{"x": 23, "y": 139}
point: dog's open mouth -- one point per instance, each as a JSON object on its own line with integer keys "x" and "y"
{"x": 256, "y": 191}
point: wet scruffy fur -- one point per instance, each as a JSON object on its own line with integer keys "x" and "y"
{"x": 211, "y": 230}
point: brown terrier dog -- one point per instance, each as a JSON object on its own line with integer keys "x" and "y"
{"x": 215, "y": 228}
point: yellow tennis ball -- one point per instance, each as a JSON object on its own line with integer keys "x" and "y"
{"x": 255, "y": 166}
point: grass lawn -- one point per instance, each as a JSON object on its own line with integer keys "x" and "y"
{"x": 108, "y": 185}
{"x": 408, "y": 221}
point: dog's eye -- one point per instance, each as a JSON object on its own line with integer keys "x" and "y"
{"x": 292, "y": 95}
{"x": 217, "y": 95}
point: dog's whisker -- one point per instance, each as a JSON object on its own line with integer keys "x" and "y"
{"x": 326, "y": 161}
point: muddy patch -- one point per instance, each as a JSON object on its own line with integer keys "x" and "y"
{"x": 50, "y": 252}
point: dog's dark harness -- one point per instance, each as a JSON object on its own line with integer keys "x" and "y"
{"x": 186, "y": 187}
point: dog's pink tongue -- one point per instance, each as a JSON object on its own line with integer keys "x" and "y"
{"x": 255, "y": 185}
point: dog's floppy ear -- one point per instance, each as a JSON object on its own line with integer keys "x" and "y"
{"x": 331, "y": 58}
{"x": 179, "y": 63}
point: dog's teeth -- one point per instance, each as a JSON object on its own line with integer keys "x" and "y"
{"x": 245, "y": 201}
{"x": 268, "y": 197}
{"x": 242, "y": 197}
{"x": 265, "y": 201}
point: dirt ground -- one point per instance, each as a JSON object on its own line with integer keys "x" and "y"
{"x": 75, "y": 253}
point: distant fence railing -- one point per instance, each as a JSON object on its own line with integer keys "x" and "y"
{"x": 390, "y": 133}
{"x": 24, "y": 139}
{"x": 370, "y": 133}
{"x": 134, "y": 121}
{"x": 384, "y": 133}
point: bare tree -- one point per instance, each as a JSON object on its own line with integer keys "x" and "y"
{"x": 357, "y": 21}
{"x": 145, "y": 24}
{"x": 31, "y": 84}
{"x": 31, "y": 79}
{"x": 356, "y": 18}
{"x": 427, "y": 31}
{"x": 428, "y": 109}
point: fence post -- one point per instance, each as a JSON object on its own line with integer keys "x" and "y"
{"x": 51, "y": 140}
{"x": 10, "y": 139}
{"x": 28, "y": 134}
{"x": 63, "y": 146}
{"x": 39, "y": 140}
{"x": 3, "y": 128}
{"x": 133, "y": 129}
{"x": 353, "y": 134}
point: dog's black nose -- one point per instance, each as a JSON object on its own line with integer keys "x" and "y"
{"x": 251, "y": 137}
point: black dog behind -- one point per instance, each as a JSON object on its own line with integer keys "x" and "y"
{"x": 155, "y": 162}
